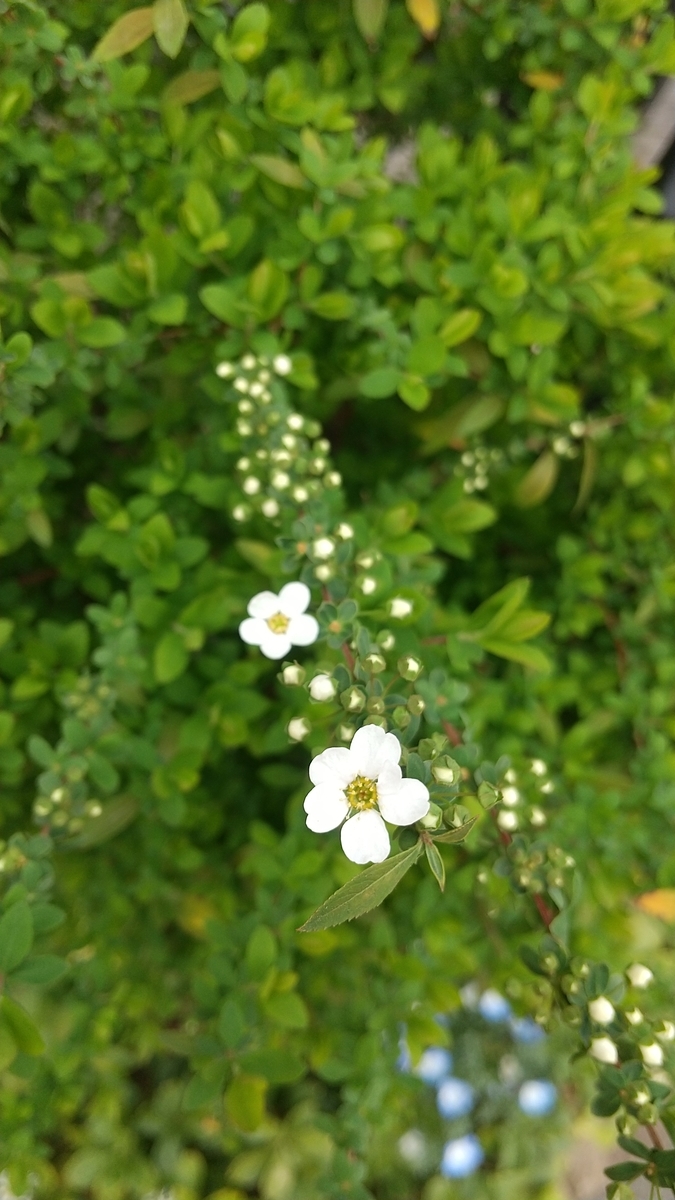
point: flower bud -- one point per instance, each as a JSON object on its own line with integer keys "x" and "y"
{"x": 409, "y": 667}
{"x": 507, "y": 820}
{"x": 433, "y": 818}
{"x": 601, "y": 1011}
{"x": 537, "y": 817}
{"x": 298, "y": 728}
{"x": 323, "y": 547}
{"x": 240, "y": 512}
{"x": 344, "y": 531}
{"x": 604, "y": 1050}
{"x": 399, "y": 608}
{"x": 416, "y": 706}
{"x": 639, "y": 975}
{"x": 368, "y": 585}
{"x": 322, "y": 688}
{"x": 510, "y": 796}
{"x": 538, "y": 766}
{"x": 652, "y": 1054}
{"x": 353, "y": 699}
{"x": 375, "y": 663}
{"x": 332, "y": 479}
{"x": 667, "y": 1031}
{"x": 443, "y": 772}
{"x": 293, "y": 675}
{"x": 386, "y": 640}
{"x": 225, "y": 369}
{"x": 375, "y": 705}
{"x": 635, "y": 1016}
{"x": 323, "y": 572}
{"x": 401, "y": 717}
{"x": 282, "y": 364}
{"x": 280, "y": 480}
{"x": 251, "y": 485}
{"x": 270, "y": 508}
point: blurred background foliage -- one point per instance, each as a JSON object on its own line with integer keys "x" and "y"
{"x": 431, "y": 208}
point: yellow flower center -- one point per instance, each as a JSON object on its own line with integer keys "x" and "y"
{"x": 361, "y": 793}
{"x": 278, "y": 623}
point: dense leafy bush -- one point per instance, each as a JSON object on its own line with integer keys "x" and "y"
{"x": 367, "y": 296}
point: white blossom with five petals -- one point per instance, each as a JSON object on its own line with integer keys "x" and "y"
{"x": 363, "y": 786}
{"x": 277, "y": 622}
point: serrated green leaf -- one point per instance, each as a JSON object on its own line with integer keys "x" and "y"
{"x": 363, "y": 893}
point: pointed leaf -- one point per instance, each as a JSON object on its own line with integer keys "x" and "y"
{"x": 364, "y": 892}
{"x": 171, "y": 23}
{"x": 520, "y": 652}
{"x": 125, "y": 34}
{"x": 589, "y": 468}
{"x": 539, "y": 481}
{"x": 370, "y": 16}
{"x": 189, "y": 86}
{"x": 456, "y": 835}
{"x": 436, "y": 864}
{"x": 16, "y": 935}
{"x": 21, "y": 1026}
{"x": 281, "y": 170}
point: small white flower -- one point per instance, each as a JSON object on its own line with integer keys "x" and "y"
{"x": 652, "y": 1055}
{"x": 538, "y": 766}
{"x": 270, "y": 508}
{"x": 510, "y": 776}
{"x": 507, "y": 820}
{"x": 298, "y": 729}
{"x": 323, "y": 547}
{"x": 601, "y": 1010}
{"x": 639, "y": 976}
{"x": 282, "y": 364}
{"x": 224, "y": 370}
{"x": 510, "y": 796}
{"x": 400, "y": 608}
{"x": 548, "y": 787}
{"x": 604, "y": 1050}
{"x": 256, "y": 390}
{"x": 322, "y": 687}
{"x": 362, "y": 785}
{"x": 277, "y": 622}
{"x": 577, "y": 428}
{"x": 244, "y": 428}
{"x": 635, "y": 1016}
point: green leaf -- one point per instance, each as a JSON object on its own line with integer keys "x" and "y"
{"x": 169, "y": 310}
{"x": 333, "y": 306}
{"x": 379, "y": 383}
{"x": 116, "y": 815}
{"x": 370, "y": 16}
{"x": 21, "y": 1026}
{"x": 221, "y": 301}
{"x": 16, "y": 935}
{"x": 527, "y": 656}
{"x": 170, "y": 658}
{"x": 102, "y": 332}
{"x": 414, "y": 392}
{"x": 6, "y": 630}
{"x": 281, "y": 170}
{"x": 539, "y": 481}
{"x": 191, "y": 86}
{"x": 624, "y": 1171}
{"x": 245, "y": 1101}
{"x": 288, "y": 1010}
{"x": 460, "y": 422}
{"x": 426, "y": 356}
{"x": 589, "y": 468}
{"x": 364, "y": 892}
{"x": 460, "y": 326}
{"x": 171, "y": 21}
{"x": 41, "y": 969}
{"x": 125, "y": 34}
{"x": 249, "y": 32}
{"x": 231, "y": 1024}
{"x": 455, "y": 835}
{"x": 524, "y": 625}
{"x": 436, "y": 864}
{"x": 268, "y": 288}
{"x": 277, "y": 1066}
{"x": 494, "y": 612}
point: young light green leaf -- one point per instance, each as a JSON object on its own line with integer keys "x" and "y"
{"x": 363, "y": 893}
{"x": 116, "y": 815}
{"x": 589, "y": 469}
{"x": 16, "y": 935}
{"x": 539, "y": 481}
{"x": 21, "y": 1027}
{"x": 125, "y": 34}
{"x": 370, "y": 16}
{"x": 281, "y": 170}
{"x": 171, "y": 23}
{"x": 456, "y": 835}
{"x": 520, "y": 652}
{"x": 190, "y": 86}
{"x": 435, "y": 863}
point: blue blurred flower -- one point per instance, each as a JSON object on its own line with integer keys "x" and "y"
{"x": 455, "y": 1098}
{"x": 404, "y": 1061}
{"x": 537, "y": 1097}
{"x": 525, "y": 1030}
{"x": 494, "y": 1007}
{"x": 434, "y": 1065}
{"x": 461, "y": 1157}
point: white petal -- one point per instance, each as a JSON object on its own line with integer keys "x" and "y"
{"x": 275, "y": 645}
{"x": 326, "y": 808}
{"x": 364, "y": 837}
{"x": 294, "y": 598}
{"x": 332, "y": 766}
{"x": 252, "y": 631}
{"x": 303, "y": 630}
{"x": 264, "y": 605}
{"x": 409, "y": 803}
{"x": 370, "y": 748}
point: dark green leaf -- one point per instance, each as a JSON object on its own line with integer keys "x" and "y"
{"x": 364, "y": 892}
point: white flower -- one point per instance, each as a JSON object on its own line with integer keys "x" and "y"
{"x": 281, "y": 480}
{"x": 298, "y": 728}
{"x": 604, "y": 1050}
{"x": 275, "y": 623}
{"x": 282, "y": 364}
{"x": 639, "y": 976}
{"x": 361, "y": 786}
{"x": 601, "y": 1010}
{"x": 652, "y": 1055}
{"x": 400, "y": 608}
{"x": 322, "y": 687}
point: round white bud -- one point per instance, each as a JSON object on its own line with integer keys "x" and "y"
{"x": 547, "y": 787}
{"x": 368, "y": 585}
{"x": 323, "y": 547}
{"x": 604, "y": 1050}
{"x": 251, "y": 486}
{"x": 289, "y": 440}
{"x": 323, "y": 572}
{"x": 300, "y": 494}
{"x": 241, "y": 384}
{"x": 508, "y": 821}
{"x": 601, "y": 1011}
{"x": 293, "y": 675}
{"x": 346, "y": 733}
{"x": 537, "y": 817}
{"x": 510, "y": 796}
{"x": 240, "y": 512}
{"x": 667, "y": 1031}
{"x": 225, "y": 369}
{"x": 256, "y": 390}
{"x": 244, "y": 428}
{"x": 652, "y": 1054}
{"x": 510, "y": 775}
{"x": 245, "y": 407}
{"x": 344, "y": 531}
{"x": 400, "y": 608}
{"x": 635, "y": 1016}
{"x": 243, "y": 464}
{"x": 295, "y": 421}
{"x": 639, "y": 975}
{"x": 280, "y": 480}
{"x": 298, "y": 728}
{"x": 538, "y": 766}
{"x": 248, "y": 362}
{"x": 322, "y": 688}
{"x": 577, "y": 428}
{"x": 282, "y": 364}
{"x": 264, "y": 376}
{"x": 332, "y": 479}
{"x": 270, "y": 508}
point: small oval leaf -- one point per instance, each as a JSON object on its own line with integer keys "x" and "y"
{"x": 364, "y": 892}
{"x": 539, "y": 481}
{"x": 125, "y": 34}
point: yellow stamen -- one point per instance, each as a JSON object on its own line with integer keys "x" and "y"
{"x": 362, "y": 793}
{"x": 278, "y": 623}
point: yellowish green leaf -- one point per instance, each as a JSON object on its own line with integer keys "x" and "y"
{"x": 125, "y": 34}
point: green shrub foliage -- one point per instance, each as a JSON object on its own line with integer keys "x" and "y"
{"x": 369, "y": 297}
